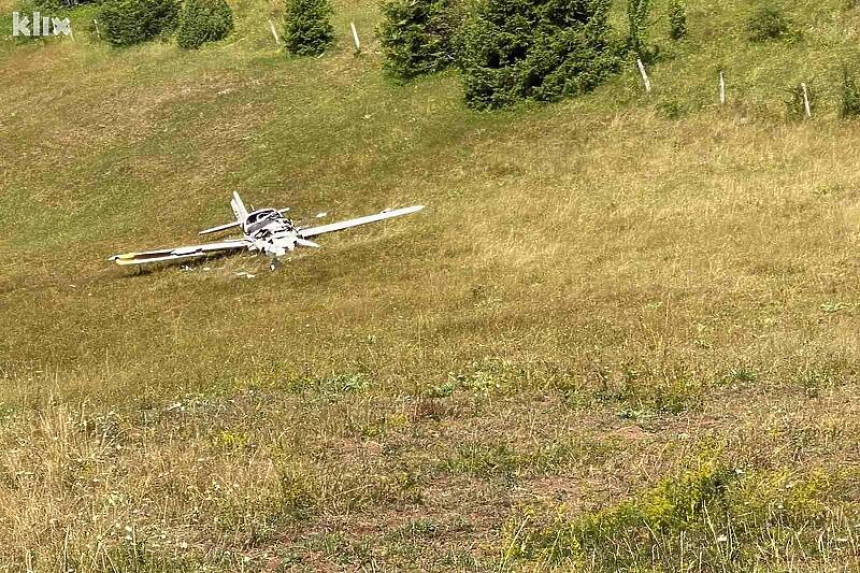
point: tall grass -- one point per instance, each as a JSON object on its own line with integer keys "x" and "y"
{"x": 595, "y": 296}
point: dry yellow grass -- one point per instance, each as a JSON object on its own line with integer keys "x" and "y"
{"x": 597, "y": 300}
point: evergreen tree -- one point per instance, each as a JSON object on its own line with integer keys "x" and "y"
{"x": 637, "y": 21}
{"x": 541, "y": 50}
{"x": 129, "y": 22}
{"x": 308, "y": 30}
{"x": 677, "y": 20}
{"x": 203, "y": 21}
{"x": 417, "y": 36}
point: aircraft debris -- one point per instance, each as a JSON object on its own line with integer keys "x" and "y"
{"x": 265, "y": 231}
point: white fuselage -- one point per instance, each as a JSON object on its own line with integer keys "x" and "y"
{"x": 270, "y": 232}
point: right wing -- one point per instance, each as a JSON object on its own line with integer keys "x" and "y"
{"x": 314, "y": 231}
{"x": 178, "y": 253}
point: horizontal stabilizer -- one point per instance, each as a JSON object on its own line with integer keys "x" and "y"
{"x": 228, "y": 226}
{"x": 330, "y": 228}
{"x": 220, "y": 228}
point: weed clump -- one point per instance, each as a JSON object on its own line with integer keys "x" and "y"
{"x": 417, "y": 36}
{"x": 713, "y": 515}
{"x": 128, "y": 22}
{"x": 203, "y": 21}
{"x": 769, "y": 23}
{"x": 850, "y": 95}
{"x": 308, "y": 30}
{"x": 541, "y": 50}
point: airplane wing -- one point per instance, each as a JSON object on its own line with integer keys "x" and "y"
{"x": 314, "y": 231}
{"x": 178, "y": 253}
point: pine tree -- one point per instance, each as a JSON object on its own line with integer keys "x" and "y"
{"x": 542, "y": 50}
{"x": 308, "y": 30}
{"x": 203, "y": 21}
{"x": 677, "y": 20}
{"x": 417, "y": 36}
{"x": 637, "y": 20}
{"x": 129, "y": 22}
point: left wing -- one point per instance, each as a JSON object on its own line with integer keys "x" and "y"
{"x": 313, "y": 231}
{"x": 178, "y": 253}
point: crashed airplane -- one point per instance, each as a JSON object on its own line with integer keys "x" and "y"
{"x": 266, "y": 231}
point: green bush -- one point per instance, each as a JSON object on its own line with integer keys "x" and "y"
{"x": 768, "y": 23}
{"x": 203, "y": 21}
{"x": 417, "y": 36}
{"x": 127, "y": 22}
{"x": 541, "y": 50}
{"x": 637, "y": 21}
{"x": 850, "y": 95}
{"x": 677, "y": 20}
{"x": 308, "y": 31}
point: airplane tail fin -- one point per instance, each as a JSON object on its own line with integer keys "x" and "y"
{"x": 239, "y": 211}
{"x": 238, "y": 208}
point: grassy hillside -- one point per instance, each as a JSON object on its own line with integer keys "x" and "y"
{"x": 623, "y": 335}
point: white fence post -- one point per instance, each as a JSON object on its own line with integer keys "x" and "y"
{"x": 355, "y": 38}
{"x": 274, "y": 32}
{"x": 645, "y": 79}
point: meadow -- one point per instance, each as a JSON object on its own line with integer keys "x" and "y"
{"x": 623, "y": 335}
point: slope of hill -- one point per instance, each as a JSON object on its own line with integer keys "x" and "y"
{"x": 624, "y": 334}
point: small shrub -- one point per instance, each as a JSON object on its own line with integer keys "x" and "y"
{"x": 671, "y": 109}
{"x": 768, "y": 23}
{"x": 203, "y": 21}
{"x": 128, "y": 22}
{"x": 417, "y": 36}
{"x": 637, "y": 21}
{"x": 308, "y": 30}
{"x": 542, "y": 50}
{"x": 677, "y": 20}
{"x": 850, "y": 95}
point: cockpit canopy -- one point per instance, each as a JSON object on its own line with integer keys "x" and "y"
{"x": 259, "y": 219}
